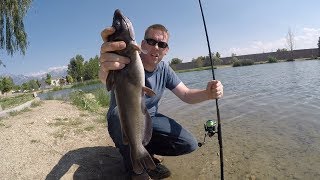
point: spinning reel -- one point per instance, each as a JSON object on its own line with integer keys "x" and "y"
{"x": 210, "y": 128}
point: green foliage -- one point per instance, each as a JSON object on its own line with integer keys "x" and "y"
{"x": 12, "y": 34}
{"x": 69, "y": 79}
{"x": 216, "y": 60}
{"x": 33, "y": 85}
{"x": 76, "y": 68}
{"x": 6, "y": 84}
{"x": 199, "y": 61}
{"x": 234, "y": 60}
{"x": 175, "y": 61}
{"x": 272, "y": 59}
{"x": 25, "y": 86}
{"x": 218, "y": 55}
{"x": 282, "y": 50}
{"x": 48, "y": 79}
{"x": 102, "y": 97}
{"x": 56, "y": 88}
{"x": 243, "y": 62}
{"x": 91, "y": 68}
{"x": 84, "y": 101}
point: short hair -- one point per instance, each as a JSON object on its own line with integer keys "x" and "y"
{"x": 158, "y": 27}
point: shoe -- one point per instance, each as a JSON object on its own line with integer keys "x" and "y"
{"x": 160, "y": 172}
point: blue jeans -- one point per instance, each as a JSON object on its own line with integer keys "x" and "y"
{"x": 168, "y": 137}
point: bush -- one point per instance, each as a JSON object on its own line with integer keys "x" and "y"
{"x": 272, "y": 59}
{"x": 84, "y": 101}
{"x": 244, "y": 62}
{"x": 102, "y": 97}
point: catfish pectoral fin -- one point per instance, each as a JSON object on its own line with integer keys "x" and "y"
{"x": 142, "y": 161}
{"x": 148, "y": 91}
{"x": 110, "y": 80}
{"x": 136, "y": 47}
{"x": 137, "y": 167}
{"x": 147, "y": 134}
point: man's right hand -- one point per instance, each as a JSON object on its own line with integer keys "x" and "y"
{"x": 108, "y": 60}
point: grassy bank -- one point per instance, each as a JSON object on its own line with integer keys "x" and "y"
{"x": 10, "y": 102}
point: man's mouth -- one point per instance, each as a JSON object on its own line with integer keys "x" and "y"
{"x": 155, "y": 55}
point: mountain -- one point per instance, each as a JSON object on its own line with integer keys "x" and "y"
{"x": 54, "y": 72}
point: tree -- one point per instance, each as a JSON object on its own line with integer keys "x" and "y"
{"x": 234, "y": 59}
{"x": 76, "y": 68}
{"x": 33, "y": 85}
{"x": 6, "y": 84}
{"x": 48, "y": 79}
{"x": 91, "y": 68}
{"x": 319, "y": 47}
{"x": 199, "y": 61}
{"x": 282, "y": 50}
{"x": 175, "y": 61}
{"x": 25, "y": 86}
{"x": 12, "y": 34}
{"x": 69, "y": 79}
{"x": 290, "y": 43}
{"x": 218, "y": 55}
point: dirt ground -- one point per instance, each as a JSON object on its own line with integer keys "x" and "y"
{"x": 57, "y": 141}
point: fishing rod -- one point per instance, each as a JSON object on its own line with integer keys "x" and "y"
{"x": 209, "y": 125}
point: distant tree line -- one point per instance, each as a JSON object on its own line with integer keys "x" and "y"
{"x": 79, "y": 70}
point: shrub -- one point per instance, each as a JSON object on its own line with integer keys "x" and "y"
{"x": 102, "y": 97}
{"x": 272, "y": 59}
{"x": 84, "y": 101}
{"x": 244, "y": 62}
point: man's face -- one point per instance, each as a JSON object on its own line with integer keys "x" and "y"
{"x": 154, "y": 48}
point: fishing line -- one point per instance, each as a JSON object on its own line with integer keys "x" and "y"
{"x": 217, "y": 105}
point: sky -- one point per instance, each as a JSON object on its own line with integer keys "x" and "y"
{"x": 59, "y": 30}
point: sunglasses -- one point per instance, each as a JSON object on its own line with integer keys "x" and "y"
{"x": 153, "y": 42}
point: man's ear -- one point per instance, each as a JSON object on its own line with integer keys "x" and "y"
{"x": 166, "y": 50}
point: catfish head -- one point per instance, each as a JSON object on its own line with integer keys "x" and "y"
{"x": 124, "y": 29}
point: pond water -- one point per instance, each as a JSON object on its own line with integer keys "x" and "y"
{"x": 270, "y": 116}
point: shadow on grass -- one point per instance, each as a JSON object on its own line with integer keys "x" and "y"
{"x": 92, "y": 163}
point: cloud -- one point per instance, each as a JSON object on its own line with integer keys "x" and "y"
{"x": 61, "y": 68}
{"x": 43, "y": 73}
{"x": 307, "y": 38}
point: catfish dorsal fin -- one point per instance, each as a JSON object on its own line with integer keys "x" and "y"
{"x": 148, "y": 91}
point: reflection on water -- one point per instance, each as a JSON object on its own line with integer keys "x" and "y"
{"x": 270, "y": 115}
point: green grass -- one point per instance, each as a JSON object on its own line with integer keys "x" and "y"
{"x": 10, "y": 102}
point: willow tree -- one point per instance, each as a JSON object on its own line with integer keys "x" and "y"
{"x": 13, "y": 37}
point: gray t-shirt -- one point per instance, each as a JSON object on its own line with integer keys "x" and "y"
{"x": 161, "y": 78}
